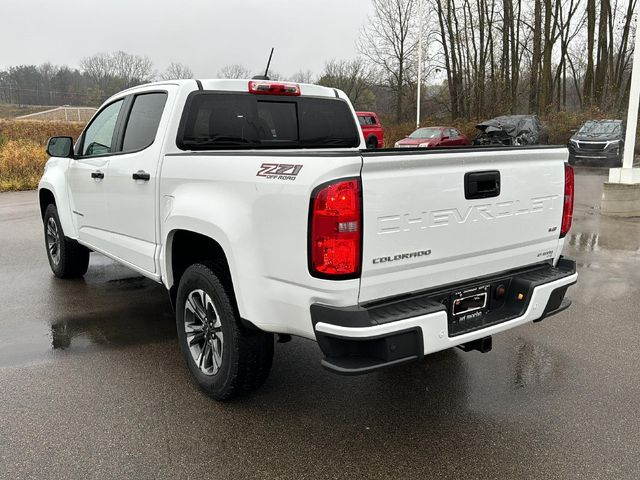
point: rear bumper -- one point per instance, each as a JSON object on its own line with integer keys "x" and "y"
{"x": 362, "y": 339}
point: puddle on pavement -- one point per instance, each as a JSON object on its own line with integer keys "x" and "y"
{"x": 116, "y": 313}
{"x": 113, "y": 329}
{"x": 586, "y": 242}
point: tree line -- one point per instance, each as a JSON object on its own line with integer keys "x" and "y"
{"x": 98, "y": 77}
{"x": 484, "y": 57}
{"x": 480, "y": 58}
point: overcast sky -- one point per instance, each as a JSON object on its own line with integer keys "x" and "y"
{"x": 203, "y": 34}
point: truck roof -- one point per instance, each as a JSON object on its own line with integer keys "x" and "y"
{"x": 239, "y": 85}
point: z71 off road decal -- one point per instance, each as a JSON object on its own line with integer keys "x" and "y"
{"x": 279, "y": 171}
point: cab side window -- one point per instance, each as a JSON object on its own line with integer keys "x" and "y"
{"x": 143, "y": 121}
{"x": 98, "y": 138}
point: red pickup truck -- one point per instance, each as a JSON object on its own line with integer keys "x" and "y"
{"x": 371, "y": 129}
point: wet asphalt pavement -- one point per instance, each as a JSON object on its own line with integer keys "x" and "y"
{"x": 92, "y": 384}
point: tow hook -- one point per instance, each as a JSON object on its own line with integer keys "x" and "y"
{"x": 482, "y": 345}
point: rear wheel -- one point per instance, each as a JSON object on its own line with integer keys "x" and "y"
{"x": 67, "y": 258}
{"x": 225, "y": 358}
{"x": 372, "y": 142}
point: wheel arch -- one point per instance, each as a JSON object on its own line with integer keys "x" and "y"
{"x": 45, "y": 198}
{"x": 47, "y": 195}
{"x": 184, "y": 247}
{"x": 52, "y": 189}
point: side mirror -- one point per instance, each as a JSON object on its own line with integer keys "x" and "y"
{"x": 574, "y": 130}
{"x": 60, "y": 147}
{"x": 445, "y": 137}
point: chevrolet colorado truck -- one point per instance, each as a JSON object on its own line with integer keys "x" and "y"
{"x": 259, "y": 208}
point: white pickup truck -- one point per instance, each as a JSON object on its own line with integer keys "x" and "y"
{"x": 258, "y": 207}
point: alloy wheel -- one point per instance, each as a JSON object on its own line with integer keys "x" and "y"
{"x": 53, "y": 240}
{"x": 203, "y": 329}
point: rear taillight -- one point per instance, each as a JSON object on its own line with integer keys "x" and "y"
{"x": 567, "y": 211}
{"x": 335, "y": 230}
{"x": 260, "y": 87}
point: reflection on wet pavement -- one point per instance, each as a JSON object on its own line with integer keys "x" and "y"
{"x": 595, "y": 242}
{"x": 534, "y": 364}
{"x": 109, "y": 308}
{"x": 131, "y": 325}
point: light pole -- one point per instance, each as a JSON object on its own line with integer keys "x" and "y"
{"x": 621, "y": 194}
{"x": 634, "y": 101}
{"x": 420, "y": 6}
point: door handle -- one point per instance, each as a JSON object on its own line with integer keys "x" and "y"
{"x": 482, "y": 184}
{"x": 141, "y": 175}
{"x": 97, "y": 174}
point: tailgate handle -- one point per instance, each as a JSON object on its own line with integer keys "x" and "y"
{"x": 481, "y": 184}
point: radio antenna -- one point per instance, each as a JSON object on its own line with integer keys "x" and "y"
{"x": 266, "y": 71}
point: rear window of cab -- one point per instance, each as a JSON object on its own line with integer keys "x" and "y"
{"x": 221, "y": 120}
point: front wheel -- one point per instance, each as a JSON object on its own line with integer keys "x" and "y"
{"x": 372, "y": 142}
{"x": 225, "y": 358}
{"x": 67, "y": 258}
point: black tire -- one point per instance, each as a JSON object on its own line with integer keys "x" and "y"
{"x": 67, "y": 258}
{"x": 245, "y": 355}
{"x": 372, "y": 142}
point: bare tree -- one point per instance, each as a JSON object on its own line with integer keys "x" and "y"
{"x": 114, "y": 71}
{"x": 352, "y": 77}
{"x": 100, "y": 69}
{"x": 600, "y": 83}
{"x": 303, "y": 76}
{"x": 534, "y": 94}
{"x": 176, "y": 71}
{"x": 624, "y": 56}
{"x": 234, "y": 71}
{"x": 390, "y": 42}
{"x": 591, "y": 29}
{"x": 47, "y": 71}
{"x": 565, "y": 13}
{"x": 132, "y": 69}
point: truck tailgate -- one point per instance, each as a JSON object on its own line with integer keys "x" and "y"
{"x": 422, "y": 229}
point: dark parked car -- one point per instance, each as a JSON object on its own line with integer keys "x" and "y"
{"x": 429, "y": 137}
{"x": 600, "y": 142}
{"x": 510, "y": 130}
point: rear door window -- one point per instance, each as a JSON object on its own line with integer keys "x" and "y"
{"x": 217, "y": 120}
{"x": 143, "y": 122}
